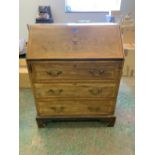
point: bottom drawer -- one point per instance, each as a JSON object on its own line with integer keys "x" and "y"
{"x": 76, "y": 107}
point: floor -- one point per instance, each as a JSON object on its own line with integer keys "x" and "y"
{"x": 79, "y": 138}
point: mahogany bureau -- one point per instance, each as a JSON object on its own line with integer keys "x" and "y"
{"x": 75, "y": 71}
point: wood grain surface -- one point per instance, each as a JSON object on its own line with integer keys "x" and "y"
{"x": 75, "y": 107}
{"x": 75, "y": 70}
{"x": 75, "y": 89}
{"x": 74, "y": 41}
{"x": 50, "y": 71}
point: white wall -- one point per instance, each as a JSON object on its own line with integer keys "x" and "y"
{"x": 29, "y": 10}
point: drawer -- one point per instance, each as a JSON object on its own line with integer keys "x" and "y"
{"x": 66, "y": 70}
{"x": 75, "y": 107}
{"x": 75, "y": 90}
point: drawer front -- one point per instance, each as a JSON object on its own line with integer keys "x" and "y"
{"x": 66, "y": 70}
{"x": 75, "y": 107}
{"x": 75, "y": 90}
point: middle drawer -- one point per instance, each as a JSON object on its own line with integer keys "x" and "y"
{"x": 75, "y": 90}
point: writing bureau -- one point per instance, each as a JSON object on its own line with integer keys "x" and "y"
{"x": 75, "y": 71}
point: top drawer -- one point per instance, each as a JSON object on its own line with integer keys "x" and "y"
{"x": 74, "y": 70}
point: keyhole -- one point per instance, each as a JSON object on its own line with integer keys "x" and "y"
{"x": 74, "y": 30}
{"x": 75, "y": 42}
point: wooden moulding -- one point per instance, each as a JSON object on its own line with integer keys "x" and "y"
{"x": 108, "y": 121}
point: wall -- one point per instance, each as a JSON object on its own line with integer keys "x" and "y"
{"x": 28, "y": 12}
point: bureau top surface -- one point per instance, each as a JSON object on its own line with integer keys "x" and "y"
{"x": 75, "y": 41}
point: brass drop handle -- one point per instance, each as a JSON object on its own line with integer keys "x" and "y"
{"x": 55, "y": 92}
{"x": 54, "y": 73}
{"x": 57, "y": 109}
{"x": 94, "y": 109}
{"x": 96, "y": 72}
{"x": 95, "y": 91}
